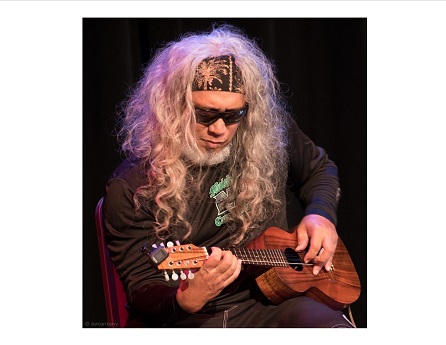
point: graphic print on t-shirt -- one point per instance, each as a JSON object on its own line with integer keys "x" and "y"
{"x": 219, "y": 191}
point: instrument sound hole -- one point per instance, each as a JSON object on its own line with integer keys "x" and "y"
{"x": 293, "y": 259}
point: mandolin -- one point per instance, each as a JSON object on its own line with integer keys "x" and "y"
{"x": 279, "y": 271}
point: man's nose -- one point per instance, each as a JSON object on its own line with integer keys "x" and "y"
{"x": 218, "y": 127}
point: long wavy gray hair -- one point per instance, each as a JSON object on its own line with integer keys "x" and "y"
{"x": 158, "y": 121}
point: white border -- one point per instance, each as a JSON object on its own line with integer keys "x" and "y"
{"x": 41, "y": 88}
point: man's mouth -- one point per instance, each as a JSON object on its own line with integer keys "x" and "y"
{"x": 213, "y": 144}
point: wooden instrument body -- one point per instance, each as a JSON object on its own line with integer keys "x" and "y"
{"x": 336, "y": 288}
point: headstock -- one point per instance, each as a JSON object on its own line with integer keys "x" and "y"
{"x": 179, "y": 257}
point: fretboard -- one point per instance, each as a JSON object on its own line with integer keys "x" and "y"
{"x": 261, "y": 257}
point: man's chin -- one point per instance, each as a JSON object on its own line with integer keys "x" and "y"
{"x": 207, "y": 157}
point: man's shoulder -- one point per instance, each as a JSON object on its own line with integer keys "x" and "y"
{"x": 132, "y": 171}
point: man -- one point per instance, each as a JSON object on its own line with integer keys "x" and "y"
{"x": 210, "y": 151}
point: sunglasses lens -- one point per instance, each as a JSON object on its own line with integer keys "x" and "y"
{"x": 205, "y": 117}
{"x": 235, "y": 116}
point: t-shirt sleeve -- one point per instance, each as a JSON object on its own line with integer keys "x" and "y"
{"x": 313, "y": 175}
{"x": 126, "y": 232}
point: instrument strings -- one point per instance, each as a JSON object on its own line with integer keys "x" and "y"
{"x": 265, "y": 257}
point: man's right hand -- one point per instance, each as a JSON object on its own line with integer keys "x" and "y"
{"x": 219, "y": 270}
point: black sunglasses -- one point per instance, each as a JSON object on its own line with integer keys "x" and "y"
{"x": 208, "y": 117}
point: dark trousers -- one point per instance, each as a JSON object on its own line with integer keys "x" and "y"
{"x": 302, "y": 312}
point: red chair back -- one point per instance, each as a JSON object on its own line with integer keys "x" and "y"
{"x": 115, "y": 298}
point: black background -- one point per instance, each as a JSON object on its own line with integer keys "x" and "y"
{"x": 322, "y": 65}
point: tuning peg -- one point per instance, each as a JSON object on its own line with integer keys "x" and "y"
{"x": 177, "y": 242}
{"x": 190, "y": 275}
{"x": 169, "y": 244}
{"x": 162, "y": 244}
{"x": 166, "y": 276}
{"x": 154, "y": 246}
{"x": 174, "y": 276}
{"x": 183, "y": 276}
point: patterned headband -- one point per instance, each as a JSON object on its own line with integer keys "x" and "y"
{"x": 218, "y": 73}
